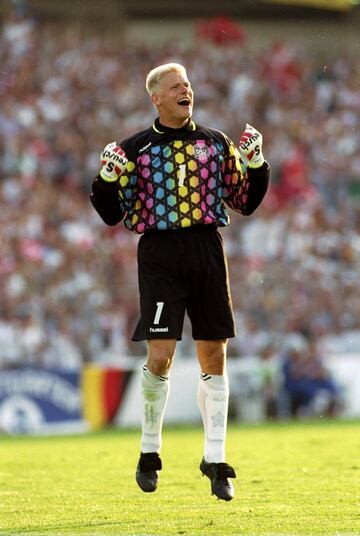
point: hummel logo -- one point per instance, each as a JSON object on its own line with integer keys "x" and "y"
{"x": 159, "y": 330}
{"x": 145, "y": 147}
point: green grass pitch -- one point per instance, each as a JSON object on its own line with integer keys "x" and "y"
{"x": 293, "y": 479}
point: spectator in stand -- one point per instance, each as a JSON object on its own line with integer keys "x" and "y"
{"x": 308, "y": 384}
{"x": 306, "y": 282}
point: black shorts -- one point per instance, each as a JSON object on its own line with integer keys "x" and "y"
{"x": 183, "y": 270}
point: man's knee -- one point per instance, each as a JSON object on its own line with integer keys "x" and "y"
{"x": 161, "y": 353}
{"x": 212, "y": 355}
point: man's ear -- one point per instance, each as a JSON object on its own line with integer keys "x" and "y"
{"x": 155, "y": 99}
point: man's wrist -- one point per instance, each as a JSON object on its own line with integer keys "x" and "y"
{"x": 257, "y": 164}
{"x": 106, "y": 178}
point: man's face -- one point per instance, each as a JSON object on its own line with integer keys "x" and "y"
{"x": 174, "y": 99}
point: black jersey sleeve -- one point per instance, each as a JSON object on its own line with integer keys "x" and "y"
{"x": 258, "y": 184}
{"x": 243, "y": 188}
{"x": 107, "y": 202}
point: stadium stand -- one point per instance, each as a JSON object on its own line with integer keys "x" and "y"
{"x": 68, "y": 282}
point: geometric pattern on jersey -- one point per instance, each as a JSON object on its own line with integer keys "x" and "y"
{"x": 182, "y": 183}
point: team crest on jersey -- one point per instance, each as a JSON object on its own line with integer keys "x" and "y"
{"x": 201, "y": 152}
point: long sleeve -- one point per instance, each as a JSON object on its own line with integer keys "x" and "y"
{"x": 243, "y": 188}
{"x": 257, "y": 181}
{"x": 106, "y": 200}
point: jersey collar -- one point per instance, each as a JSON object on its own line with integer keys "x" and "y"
{"x": 161, "y": 129}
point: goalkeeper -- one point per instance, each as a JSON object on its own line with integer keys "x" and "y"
{"x": 171, "y": 183}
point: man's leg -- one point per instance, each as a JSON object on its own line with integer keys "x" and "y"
{"x": 213, "y": 399}
{"x": 154, "y": 391}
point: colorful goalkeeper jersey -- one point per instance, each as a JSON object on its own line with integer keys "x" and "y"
{"x": 178, "y": 178}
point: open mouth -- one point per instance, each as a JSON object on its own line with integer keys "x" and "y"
{"x": 184, "y": 102}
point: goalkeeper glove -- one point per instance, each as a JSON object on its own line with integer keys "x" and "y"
{"x": 114, "y": 162}
{"x": 250, "y": 147}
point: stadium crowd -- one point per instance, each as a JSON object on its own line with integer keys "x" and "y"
{"x": 68, "y": 282}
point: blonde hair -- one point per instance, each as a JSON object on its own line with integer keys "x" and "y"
{"x": 156, "y": 74}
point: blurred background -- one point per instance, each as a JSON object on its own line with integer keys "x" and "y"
{"x": 72, "y": 80}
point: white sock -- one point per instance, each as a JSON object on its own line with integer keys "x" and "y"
{"x": 154, "y": 391}
{"x": 213, "y": 399}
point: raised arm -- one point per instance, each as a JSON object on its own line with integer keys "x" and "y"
{"x": 106, "y": 196}
{"x": 246, "y": 174}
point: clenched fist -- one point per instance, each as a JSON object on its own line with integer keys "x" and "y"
{"x": 114, "y": 162}
{"x": 250, "y": 147}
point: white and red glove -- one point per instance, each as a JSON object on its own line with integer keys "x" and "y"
{"x": 114, "y": 162}
{"x": 250, "y": 147}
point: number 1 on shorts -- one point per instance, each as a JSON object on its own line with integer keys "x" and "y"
{"x": 159, "y": 308}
